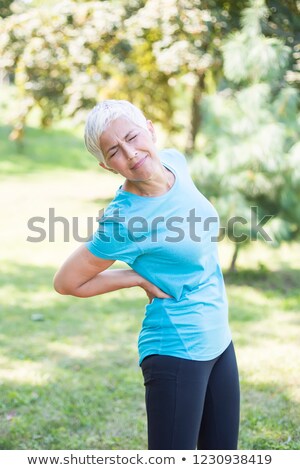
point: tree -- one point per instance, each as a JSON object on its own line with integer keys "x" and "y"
{"x": 61, "y": 56}
{"x": 251, "y": 135}
{"x": 185, "y": 37}
{"x": 66, "y": 56}
{"x": 284, "y": 22}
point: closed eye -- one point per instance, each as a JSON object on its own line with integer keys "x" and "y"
{"x": 129, "y": 140}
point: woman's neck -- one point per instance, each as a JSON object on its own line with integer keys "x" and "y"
{"x": 158, "y": 185}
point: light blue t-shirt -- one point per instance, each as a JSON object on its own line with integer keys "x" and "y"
{"x": 171, "y": 240}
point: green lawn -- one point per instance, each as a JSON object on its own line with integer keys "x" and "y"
{"x": 69, "y": 375}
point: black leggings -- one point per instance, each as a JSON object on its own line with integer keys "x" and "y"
{"x": 192, "y": 404}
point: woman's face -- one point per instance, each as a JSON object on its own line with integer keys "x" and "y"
{"x": 129, "y": 149}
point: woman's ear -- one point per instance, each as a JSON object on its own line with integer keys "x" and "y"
{"x": 107, "y": 168}
{"x": 151, "y": 129}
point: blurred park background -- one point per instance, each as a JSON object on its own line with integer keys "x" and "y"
{"x": 220, "y": 80}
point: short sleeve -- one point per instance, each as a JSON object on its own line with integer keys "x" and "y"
{"x": 112, "y": 241}
{"x": 174, "y": 158}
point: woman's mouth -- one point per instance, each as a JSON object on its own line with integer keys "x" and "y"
{"x": 139, "y": 163}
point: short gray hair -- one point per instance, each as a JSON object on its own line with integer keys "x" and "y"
{"x": 102, "y": 115}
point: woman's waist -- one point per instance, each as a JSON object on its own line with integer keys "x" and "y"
{"x": 188, "y": 298}
{"x": 192, "y": 289}
{"x": 160, "y": 315}
{"x": 188, "y": 304}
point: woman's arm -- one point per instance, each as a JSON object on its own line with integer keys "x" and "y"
{"x": 86, "y": 275}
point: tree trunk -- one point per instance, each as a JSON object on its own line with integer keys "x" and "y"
{"x": 195, "y": 115}
{"x": 234, "y": 258}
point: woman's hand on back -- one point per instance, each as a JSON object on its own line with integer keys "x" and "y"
{"x": 152, "y": 290}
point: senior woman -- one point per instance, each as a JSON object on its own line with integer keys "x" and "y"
{"x": 166, "y": 231}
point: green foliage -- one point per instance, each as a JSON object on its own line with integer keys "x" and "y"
{"x": 5, "y": 9}
{"x": 59, "y": 55}
{"x": 66, "y": 56}
{"x": 250, "y": 134}
{"x": 284, "y": 23}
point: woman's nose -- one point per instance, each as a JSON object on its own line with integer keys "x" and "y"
{"x": 129, "y": 151}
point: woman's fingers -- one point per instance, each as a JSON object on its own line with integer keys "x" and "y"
{"x": 153, "y": 291}
{"x": 156, "y": 292}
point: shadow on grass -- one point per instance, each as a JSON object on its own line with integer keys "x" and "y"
{"x": 256, "y": 297}
{"x": 281, "y": 282}
{"x": 28, "y": 290}
{"x": 282, "y": 285}
{"x": 26, "y": 277}
{"x": 43, "y": 150}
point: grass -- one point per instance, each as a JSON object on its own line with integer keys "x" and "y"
{"x": 43, "y": 151}
{"x": 265, "y": 324}
{"x": 69, "y": 375}
{"x": 69, "y": 371}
